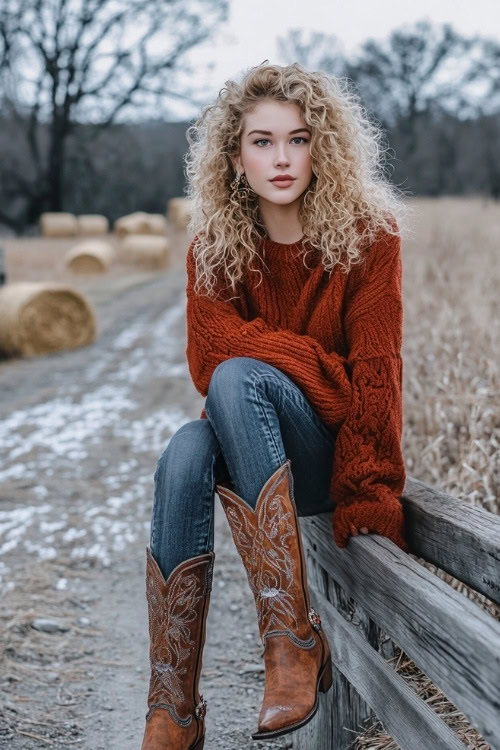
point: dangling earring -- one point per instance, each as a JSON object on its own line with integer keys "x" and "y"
{"x": 240, "y": 188}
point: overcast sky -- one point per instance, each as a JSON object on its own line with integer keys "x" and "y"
{"x": 249, "y": 36}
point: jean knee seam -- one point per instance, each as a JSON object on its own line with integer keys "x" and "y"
{"x": 278, "y": 457}
{"x": 270, "y": 432}
{"x": 298, "y": 402}
{"x": 207, "y": 411}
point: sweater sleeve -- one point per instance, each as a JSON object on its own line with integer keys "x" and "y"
{"x": 216, "y": 332}
{"x": 368, "y": 467}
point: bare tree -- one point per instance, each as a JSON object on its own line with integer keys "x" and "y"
{"x": 419, "y": 69}
{"x": 63, "y": 62}
{"x": 315, "y": 50}
{"x": 416, "y": 69}
{"x": 419, "y": 83}
{"x": 487, "y": 64}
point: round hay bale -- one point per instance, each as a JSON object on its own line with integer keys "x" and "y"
{"x": 146, "y": 250}
{"x": 93, "y": 256}
{"x": 130, "y": 224}
{"x": 39, "y": 318}
{"x": 178, "y": 212}
{"x": 140, "y": 222}
{"x": 58, "y": 224}
{"x": 157, "y": 224}
{"x": 91, "y": 225}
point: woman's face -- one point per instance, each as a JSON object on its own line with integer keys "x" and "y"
{"x": 275, "y": 141}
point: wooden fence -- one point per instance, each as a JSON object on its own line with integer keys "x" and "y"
{"x": 372, "y": 595}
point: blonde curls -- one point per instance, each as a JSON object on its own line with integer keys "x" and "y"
{"x": 347, "y": 204}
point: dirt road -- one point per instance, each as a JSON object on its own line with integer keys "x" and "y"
{"x": 80, "y": 434}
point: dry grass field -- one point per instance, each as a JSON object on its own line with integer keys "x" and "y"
{"x": 451, "y": 435}
{"x": 130, "y": 380}
{"x": 451, "y": 289}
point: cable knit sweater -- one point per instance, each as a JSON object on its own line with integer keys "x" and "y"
{"x": 339, "y": 339}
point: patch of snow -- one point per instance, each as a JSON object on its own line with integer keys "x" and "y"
{"x": 96, "y": 551}
{"x": 72, "y": 534}
{"x": 17, "y": 471}
{"x": 14, "y": 523}
{"x": 40, "y": 492}
{"x": 44, "y": 553}
{"x": 150, "y": 433}
{"x": 61, "y": 425}
{"x": 46, "y": 527}
{"x": 115, "y": 503}
{"x": 128, "y": 336}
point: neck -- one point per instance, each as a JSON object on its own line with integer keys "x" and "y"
{"x": 281, "y": 222}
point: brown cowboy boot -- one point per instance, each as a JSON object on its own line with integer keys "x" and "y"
{"x": 296, "y": 652}
{"x": 177, "y": 610}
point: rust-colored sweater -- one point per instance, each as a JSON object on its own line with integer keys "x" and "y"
{"x": 339, "y": 339}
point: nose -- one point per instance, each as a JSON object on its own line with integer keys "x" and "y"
{"x": 281, "y": 159}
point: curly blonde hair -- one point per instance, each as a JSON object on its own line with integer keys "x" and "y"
{"x": 348, "y": 201}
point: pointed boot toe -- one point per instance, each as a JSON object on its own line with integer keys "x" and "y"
{"x": 281, "y": 718}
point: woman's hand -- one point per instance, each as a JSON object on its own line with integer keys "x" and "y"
{"x": 370, "y": 517}
{"x": 354, "y": 530}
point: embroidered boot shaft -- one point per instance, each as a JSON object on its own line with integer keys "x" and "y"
{"x": 177, "y": 610}
{"x": 296, "y": 651}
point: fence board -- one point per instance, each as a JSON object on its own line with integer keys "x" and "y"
{"x": 342, "y": 710}
{"x": 460, "y": 538}
{"x": 450, "y": 638}
{"x": 407, "y": 718}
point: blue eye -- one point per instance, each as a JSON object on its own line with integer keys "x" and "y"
{"x": 297, "y": 138}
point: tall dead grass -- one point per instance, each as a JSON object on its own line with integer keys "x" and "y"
{"x": 451, "y": 285}
{"x": 451, "y": 433}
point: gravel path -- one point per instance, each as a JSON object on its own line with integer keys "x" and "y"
{"x": 80, "y": 434}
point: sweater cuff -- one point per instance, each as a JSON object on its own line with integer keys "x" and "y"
{"x": 385, "y": 519}
{"x": 257, "y": 325}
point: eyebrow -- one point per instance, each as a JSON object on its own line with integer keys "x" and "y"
{"x": 269, "y": 132}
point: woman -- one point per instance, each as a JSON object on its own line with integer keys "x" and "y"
{"x": 294, "y": 333}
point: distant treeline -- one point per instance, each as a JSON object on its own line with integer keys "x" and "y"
{"x": 76, "y": 133}
{"x": 111, "y": 171}
{"x": 125, "y": 168}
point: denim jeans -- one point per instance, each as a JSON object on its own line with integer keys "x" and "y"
{"x": 257, "y": 418}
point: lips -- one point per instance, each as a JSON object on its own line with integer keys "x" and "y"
{"x": 283, "y": 178}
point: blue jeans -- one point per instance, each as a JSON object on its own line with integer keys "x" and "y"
{"x": 257, "y": 418}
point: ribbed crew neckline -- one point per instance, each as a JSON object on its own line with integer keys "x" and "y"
{"x": 270, "y": 246}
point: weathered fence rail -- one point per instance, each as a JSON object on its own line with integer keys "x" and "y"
{"x": 372, "y": 595}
